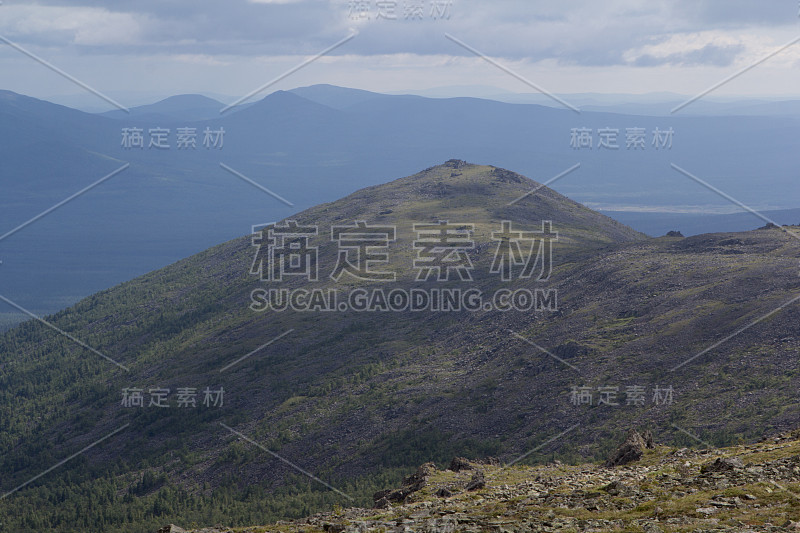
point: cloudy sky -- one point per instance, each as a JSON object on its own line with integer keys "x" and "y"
{"x": 135, "y": 50}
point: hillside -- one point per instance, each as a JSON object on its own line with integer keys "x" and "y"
{"x": 358, "y": 398}
{"x": 743, "y": 488}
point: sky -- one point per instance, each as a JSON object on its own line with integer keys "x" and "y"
{"x": 136, "y": 51}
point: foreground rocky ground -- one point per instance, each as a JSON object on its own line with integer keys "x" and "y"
{"x": 753, "y": 487}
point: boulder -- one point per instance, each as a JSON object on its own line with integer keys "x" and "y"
{"x": 418, "y": 479}
{"x": 723, "y": 464}
{"x": 459, "y": 463}
{"x": 632, "y": 449}
{"x": 477, "y": 482}
{"x": 411, "y": 484}
{"x": 616, "y": 488}
{"x": 172, "y": 528}
{"x": 381, "y": 494}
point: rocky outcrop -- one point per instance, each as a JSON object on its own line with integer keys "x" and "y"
{"x": 477, "y": 482}
{"x": 632, "y": 449}
{"x": 411, "y": 484}
{"x": 459, "y": 463}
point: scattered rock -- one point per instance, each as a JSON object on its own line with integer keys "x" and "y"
{"x": 723, "y": 464}
{"x": 544, "y": 498}
{"x": 444, "y": 492}
{"x": 455, "y": 163}
{"x": 571, "y": 350}
{"x": 507, "y": 176}
{"x": 172, "y": 528}
{"x": 382, "y": 503}
{"x": 708, "y": 511}
{"x": 411, "y": 484}
{"x": 418, "y": 479}
{"x": 616, "y": 488}
{"x": 381, "y": 494}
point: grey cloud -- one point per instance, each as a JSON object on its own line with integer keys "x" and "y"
{"x": 581, "y": 32}
{"x": 710, "y": 54}
{"x": 212, "y": 27}
{"x": 736, "y": 13}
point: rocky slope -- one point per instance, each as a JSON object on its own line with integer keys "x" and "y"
{"x": 678, "y": 335}
{"x": 747, "y": 488}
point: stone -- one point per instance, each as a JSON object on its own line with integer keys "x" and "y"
{"x": 477, "y": 482}
{"x": 444, "y": 493}
{"x": 723, "y": 464}
{"x": 383, "y": 503}
{"x": 458, "y": 464}
{"x": 632, "y": 448}
{"x": 172, "y": 528}
{"x": 418, "y": 478}
{"x": 616, "y": 488}
{"x": 381, "y": 494}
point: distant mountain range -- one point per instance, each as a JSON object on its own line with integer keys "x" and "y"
{"x": 313, "y": 145}
{"x": 190, "y": 107}
{"x": 358, "y": 398}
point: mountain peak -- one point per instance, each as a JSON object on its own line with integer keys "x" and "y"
{"x": 177, "y": 107}
{"x": 288, "y": 98}
{"x": 482, "y": 195}
{"x": 335, "y": 96}
{"x": 188, "y": 101}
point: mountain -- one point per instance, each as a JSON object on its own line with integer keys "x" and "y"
{"x": 287, "y": 115}
{"x": 187, "y": 107}
{"x": 696, "y": 334}
{"x": 762, "y": 108}
{"x": 652, "y": 104}
{"x": 740, "y": 488}
{"x": 336, "y": 97}
{"x": 314, "y": 145}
